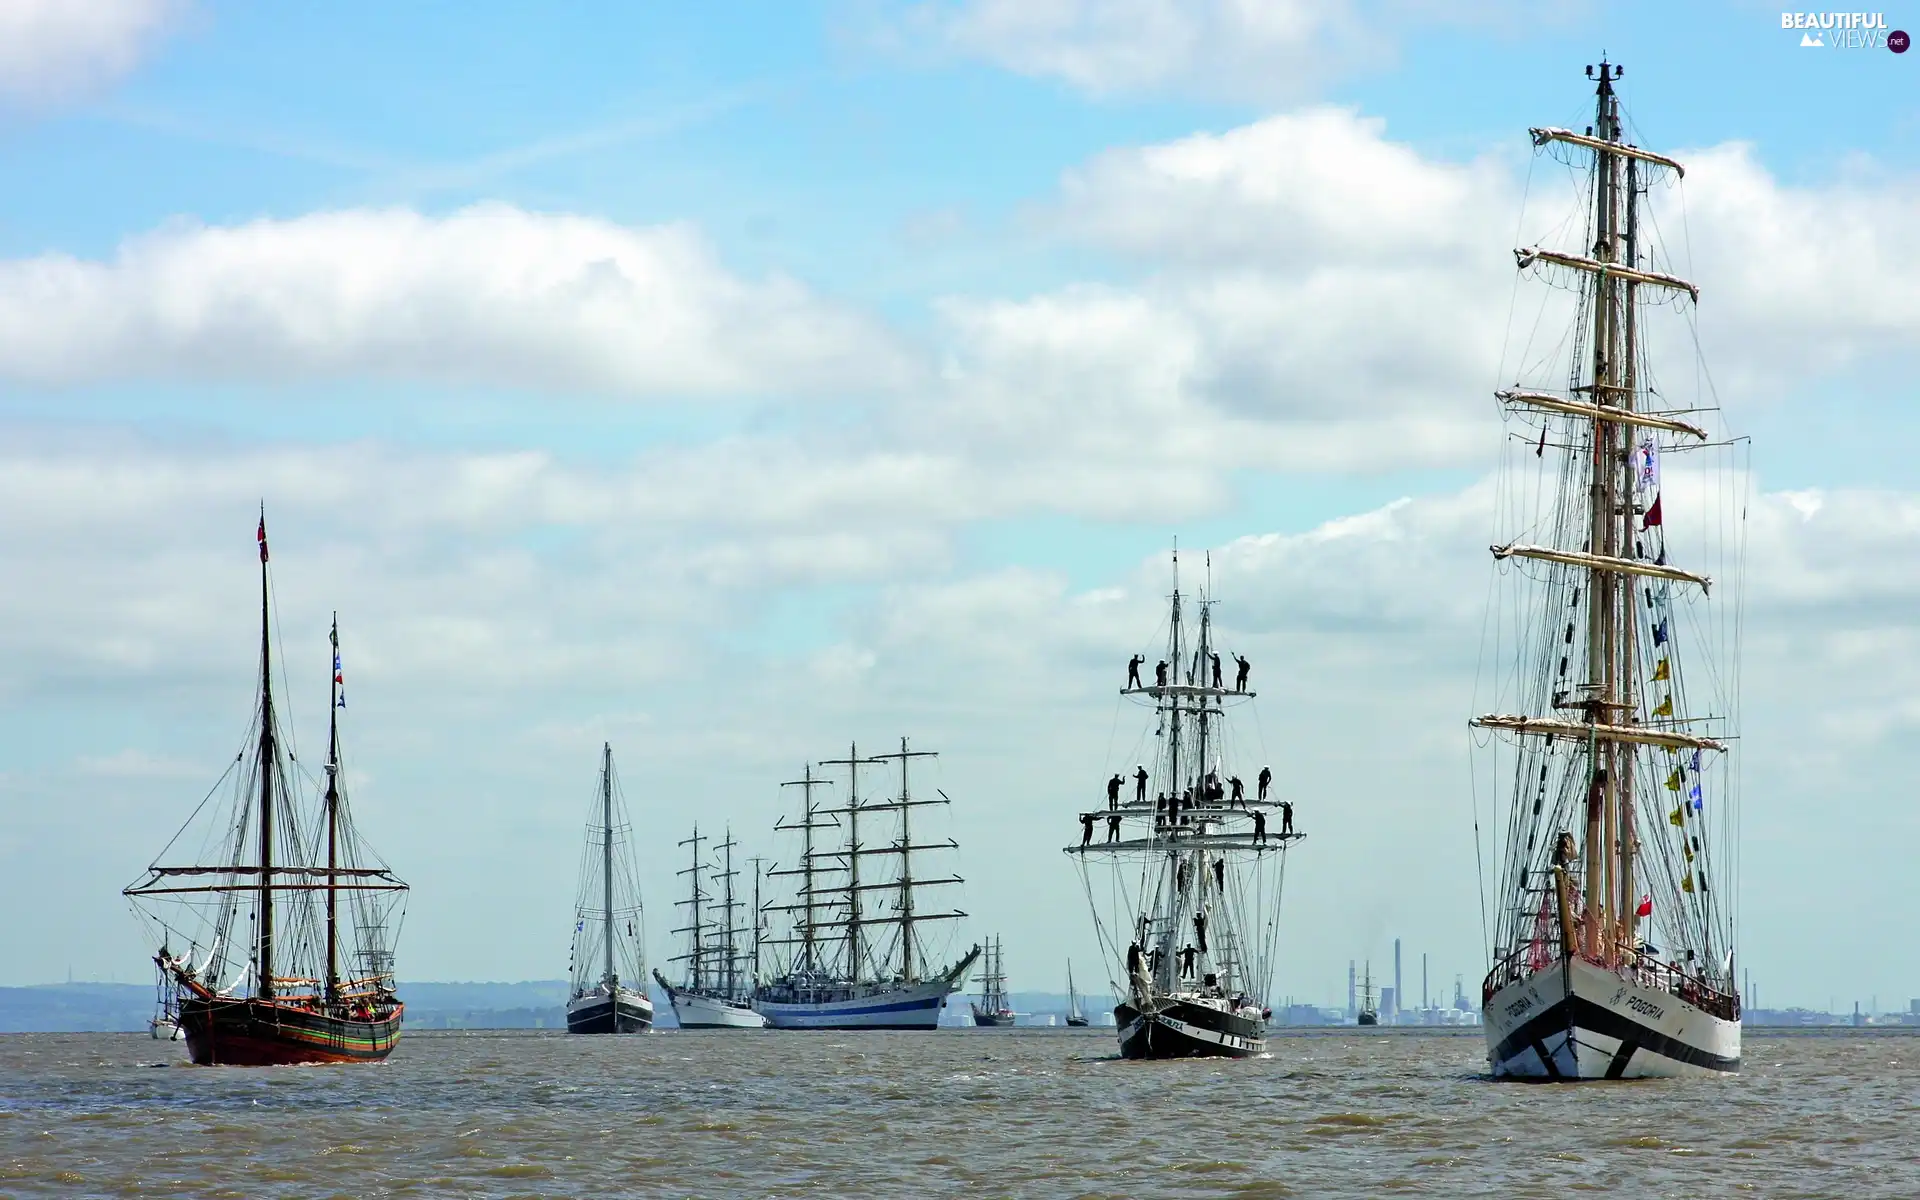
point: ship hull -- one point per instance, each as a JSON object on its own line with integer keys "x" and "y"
{"x": 626, "y": 1012}
{"x": 1076, "y": 1022}
{"x": 1178, "y": 1028}
{"x": 990, "y": 1020}
{"x": 913, "y": 1006}
{"x": 695, "y": 1011}
{"x": 1577, "y": 1021}
{"x": 230, "y": 1032}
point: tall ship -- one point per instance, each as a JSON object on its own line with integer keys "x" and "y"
{"x": 1614, "y": 704}
{"x": 1191, "y": 865}
{"x": 1367, "y": 1014}
{"x": 273, "y": 915}
{"x": 992, "y": 1009}
{"x": 856, "y": 956}
{"x": 716, "y": 987}
{"x": 607, "y": 971}
{"x": 1075, "y": 1018}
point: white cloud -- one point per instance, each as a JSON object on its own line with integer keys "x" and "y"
{"x": 490, "y": 295}
{"x": 55, "y": 49}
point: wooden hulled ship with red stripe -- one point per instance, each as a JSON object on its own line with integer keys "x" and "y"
{"x": 275, "y": 934}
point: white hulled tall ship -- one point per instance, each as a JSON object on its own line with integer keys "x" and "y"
{"x": 855, "y": 958}
{"x": 1613, "y": 939}
{"x": 608, "y": 971}
{"x": 715, "y": 990}
{"x": 992, "y": 1009}
{"x": 1192, "y": 872}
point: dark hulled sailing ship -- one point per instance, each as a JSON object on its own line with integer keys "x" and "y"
{"x": 1193, "y": 870}
{"x": 1613, "y": 945}
{"x": 275, "y": 938}
{"x": 991, "y": 1009}
{"x": 608, "y": 971}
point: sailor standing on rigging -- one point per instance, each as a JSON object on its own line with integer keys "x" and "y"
{"x": 1086, "y": 828}
{"x": 1160, "y": 673}
{"x": 1140, "y": 784}
{"x": 1240, "y": 680}
{"x": 1286, "y": 817}
{"x": 1216, "y": 668}
{"x": 1266, "y": 780}
{"x": 1133, "y": 670}
{"x": 1113, "y": 793}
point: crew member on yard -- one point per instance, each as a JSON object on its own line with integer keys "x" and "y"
{"x": 1133, "y": 670}
{"x": 1113, "y": 827}
{"x": 1113, "y": 793}
{"x": 1086, "y": 828}
{"x": 1140, "y": 784}
{"x": 1215, "y": 656}
{"x": 1240, "y": 679}
{"x": 1200, "y": 930}
{"x": 1286, "y": 817}
{"x": 1266, "y": 781}
{"x": 1160, "y": 673}
{"x": 1239, "y": 792}
{"x": 1259, "y": 827}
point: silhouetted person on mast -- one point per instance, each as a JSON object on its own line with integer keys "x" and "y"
{"x": 1259, "y": 827}
{"x": 1286, "y": 817}
{"x": 1133, "y": 670}
{"x": 1140, "y": 784}
{"x": 1086, "y": 828}
{"x": 1200, "y": 930}
{"x": 1160, "y": 673}
{"x": 1186, "y": 961}
{"x": 1220, "y": 875}
{"x": 1216, "y": 668}
{"x": 1113, "y": 827}
{"x": 1239, "y": 792}
{"x": 1113, "y": 793}
{"x": 1240, "y": 679}
{"x": 1266, "y": 781}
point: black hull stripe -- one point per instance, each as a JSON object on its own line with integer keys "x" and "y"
{"x": 1582, "y": 1013}
{"x": 1151, "y": 1039}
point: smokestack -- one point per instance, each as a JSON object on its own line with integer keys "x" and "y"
{"x": 1423, "y": 982}
{"x": 1397, "y": 993}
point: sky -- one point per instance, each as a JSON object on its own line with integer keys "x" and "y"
{"x": 733, "y": 388}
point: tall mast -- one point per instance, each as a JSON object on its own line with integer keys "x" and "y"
{"x": 263, "y": 954}
{"x": 906, "y": 804}
{"x": 1604, "y": 585}
{"x": 809, "y": 959}
{"x": 606, "y": 855}
{"x": 853, "y": 762}
{"x": 333, "y": 819}
{"x": 731, "y": 945}
{"x": 696, "y": 944}
{"x": 756, "y": 860}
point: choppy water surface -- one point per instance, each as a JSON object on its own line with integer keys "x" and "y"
{"x": 981, "y": 1112}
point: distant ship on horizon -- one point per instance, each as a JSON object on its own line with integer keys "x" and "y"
{"x": 992, "y": 1009}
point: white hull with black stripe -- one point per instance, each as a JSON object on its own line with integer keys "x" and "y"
{"x": 1576, "y": 1020}
{"x": 697, "y": 1011}
{"x": 626, "y": 1011}
{"x": 1189, "y": 1027}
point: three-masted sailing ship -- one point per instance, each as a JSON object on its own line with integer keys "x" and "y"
{"x": 276, "y": 932}
{"x": 607, "y": 973}
{"x": 992, "y": 1009}
{"x": 855, "y": 957}
{"x": 1075, "y": 1018}
{"x": 1367, "y": 1014}
{"x": 717, "y": 987}
{"x": 1194, "y": 872}
{"x": 1613, "y": 945}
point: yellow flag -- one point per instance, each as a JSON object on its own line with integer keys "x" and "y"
{"x": 1686, "y": 884}
{"x": 1662, "y": 671}
{"x": 1673, "y": 783}
{"x": 1665, "y": 709}
{"x": 1687, "y": 850}
{"x": 1674, "y": 816}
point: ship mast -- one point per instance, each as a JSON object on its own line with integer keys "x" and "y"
{"x": 333, "y": 820}
{"x": 606, "y": 857}
{"x": 853, "y": 762}
{"x": 808, "y": 906}
{"x": 263, "y": 954}
{"x": 758, "y": 871}
{"x": 730, "y": 946}
{"x": 696, "y": 947}
{"x": 905, "y": 904}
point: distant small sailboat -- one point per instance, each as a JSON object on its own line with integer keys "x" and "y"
{"x": 714, "y": 992}
{"x": 1075, "y": 1018}
{"x": 992, "y": 1009}
{"x": 607, "y": 927}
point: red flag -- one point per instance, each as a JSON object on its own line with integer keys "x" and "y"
{"x": 1646, "y": 907}
{"x": 261, "y": 537}
{"x": 1653, "y": 514}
